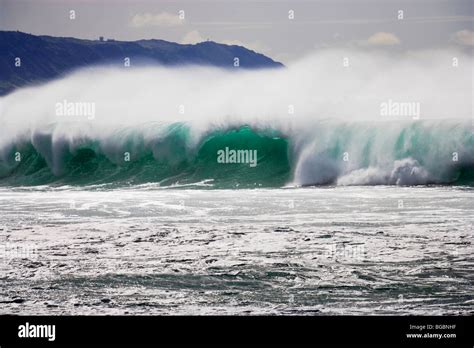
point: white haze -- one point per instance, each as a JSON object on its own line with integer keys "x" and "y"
{"x": 319, "y": 87}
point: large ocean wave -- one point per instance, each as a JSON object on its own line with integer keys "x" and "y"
{"x": 314, "y": 123}
{"x": 332, "y": 154}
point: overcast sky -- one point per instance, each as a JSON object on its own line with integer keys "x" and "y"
{"x": 263, "y": 26}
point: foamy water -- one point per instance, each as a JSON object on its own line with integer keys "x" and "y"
{"x": 148, "y": 250}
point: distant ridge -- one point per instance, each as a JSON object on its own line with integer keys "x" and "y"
{"x": 45, "y": 57}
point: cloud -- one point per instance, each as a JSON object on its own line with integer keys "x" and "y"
{"x": 383, "y": 39}
{"x": 464, "y": 37}
{"x": 439, "y": 19}
{"x": 193, "y": 37}
{"x": 163, "y": 19}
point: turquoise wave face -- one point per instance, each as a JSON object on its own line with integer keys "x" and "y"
{"x": 260, "y": 160}
{"x": 244, "y": 157}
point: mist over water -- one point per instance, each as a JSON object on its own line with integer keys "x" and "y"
{"x": 392, "y": 119}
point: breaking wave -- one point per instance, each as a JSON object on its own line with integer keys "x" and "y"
{"x": 313, "y": 123}
{"x": 343, "y": 154}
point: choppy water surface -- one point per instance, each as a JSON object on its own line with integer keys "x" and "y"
{"x": 146, "y": 250}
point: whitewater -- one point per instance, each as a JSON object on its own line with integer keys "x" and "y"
{"x": 316, "y": 122}
{"x": 113, "y": 199}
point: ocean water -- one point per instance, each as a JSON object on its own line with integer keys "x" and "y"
{"x": 318, "y": 250}
{"x": 340, "y": 201}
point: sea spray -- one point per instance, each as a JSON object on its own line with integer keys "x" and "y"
{"x": 313, "y": 123}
